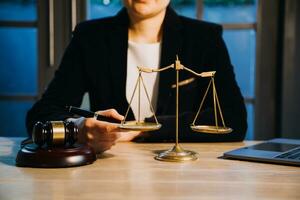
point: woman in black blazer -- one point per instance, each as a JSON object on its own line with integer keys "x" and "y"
{"x": 95, "y": 62}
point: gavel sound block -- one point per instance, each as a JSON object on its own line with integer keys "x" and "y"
{"x": 54, "y": 145}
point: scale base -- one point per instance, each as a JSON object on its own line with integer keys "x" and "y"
{"x": 211, "y": 129}
{"x": 140, "y": 126}
{"x": 177, "y": 154}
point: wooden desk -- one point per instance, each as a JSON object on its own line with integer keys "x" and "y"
{"x": 128, "y": 171}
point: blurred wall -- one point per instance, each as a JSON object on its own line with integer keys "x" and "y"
{"x": 290, "y": 105}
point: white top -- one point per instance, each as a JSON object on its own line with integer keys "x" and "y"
{"x": 145, "y": 55}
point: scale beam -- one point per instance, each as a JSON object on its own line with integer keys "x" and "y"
{"x": 151, "y": 70}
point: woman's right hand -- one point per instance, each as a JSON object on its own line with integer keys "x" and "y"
{"x": 100, "y": 135}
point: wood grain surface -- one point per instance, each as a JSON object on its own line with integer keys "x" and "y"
{"x": 128, "y": 171}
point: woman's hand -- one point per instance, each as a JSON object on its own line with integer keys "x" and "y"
{"x": 100, "y": 135}
{"x": 126, "y": 136}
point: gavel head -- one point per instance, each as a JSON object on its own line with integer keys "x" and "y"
{"x": 54, "y": 133}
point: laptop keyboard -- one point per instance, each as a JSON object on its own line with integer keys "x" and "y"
{"x": 293, "y": 154}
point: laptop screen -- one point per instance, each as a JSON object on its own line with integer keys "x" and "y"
{"x": 272, "y": 146}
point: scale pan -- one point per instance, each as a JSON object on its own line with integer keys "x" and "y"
{"x": 211, "y": 129}
{"x": 140, "y": 126}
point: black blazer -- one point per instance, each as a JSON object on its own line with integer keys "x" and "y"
{"x": 95, "y": 62}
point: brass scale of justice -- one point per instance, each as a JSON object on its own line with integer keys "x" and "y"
{"x": 176, "y": 153}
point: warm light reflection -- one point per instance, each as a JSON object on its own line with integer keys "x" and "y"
{"x": 75, "y": 159}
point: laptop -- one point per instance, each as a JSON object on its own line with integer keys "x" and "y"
{"x": 278, "y": 151}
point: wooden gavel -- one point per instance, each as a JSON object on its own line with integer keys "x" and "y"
{"x": 53, "y": 144}
{"x": 55, "y": 133}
